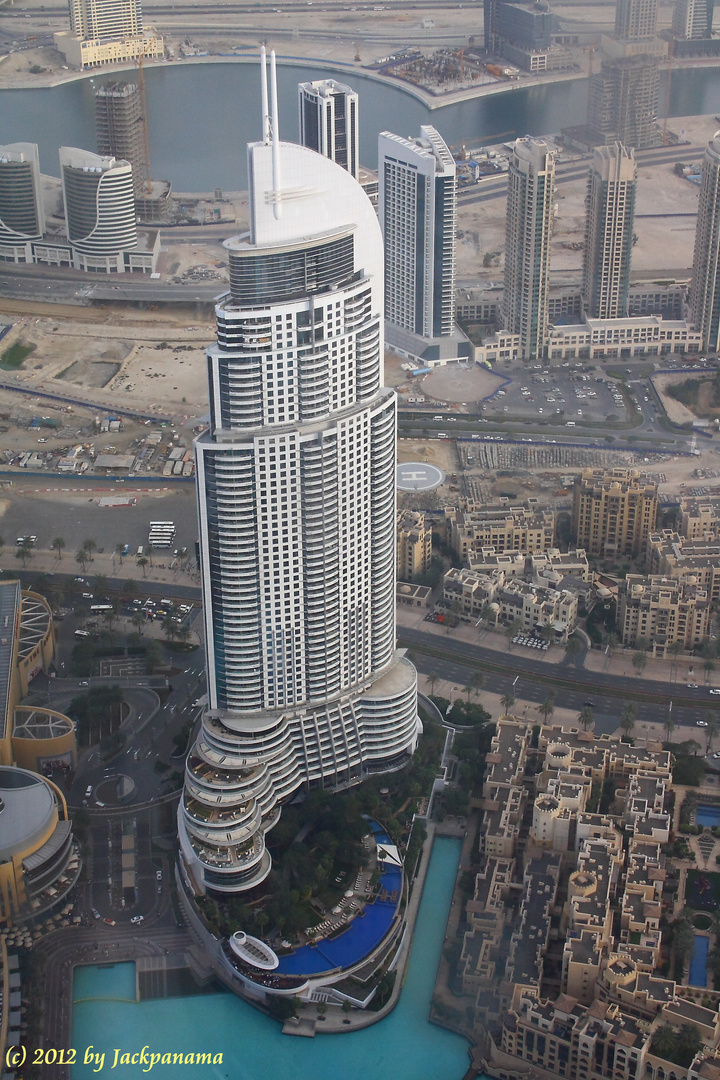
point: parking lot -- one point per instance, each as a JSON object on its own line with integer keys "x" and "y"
{"x": 573, "y": 394}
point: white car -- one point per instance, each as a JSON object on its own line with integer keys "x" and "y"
{"x": 715, "y": 691}
{"x": 137, "y": 919}
{"x": 692, "y": 686}
{"x": 701, "y": 723}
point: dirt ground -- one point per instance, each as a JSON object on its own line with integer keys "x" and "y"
{"x": 677, "y": 412}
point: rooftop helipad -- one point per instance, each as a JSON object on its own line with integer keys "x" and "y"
{"x": 418, "y": 476}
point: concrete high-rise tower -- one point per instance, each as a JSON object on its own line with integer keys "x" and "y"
{"x": 329, "y": 122}
{"x": 418, "y": 215}
{"x": 120, "y": 127}
{"x": 705, "y": 287}
{"x": 692, "y": 19}
{"x": 296, "y": 500}
{"x": 22, "y": 218}
{"x": 528, "y": 228}
{"x": 609, "y": 231}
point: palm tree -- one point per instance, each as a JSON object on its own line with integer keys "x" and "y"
{"x": 669, "y": 727}
{"x": 586, "y": 718}
{"x": 143, "y": 561}
{"x": 711, "y": 731}
{"x": 475, "y": 683}
{"x": 89, "y": 546}
{"x": 432, "y": 678}
{"x": 573, "y": 646}
{"x": 119, "y": 548}
{"x": 170, "y": 627}
{"x": 510, "y": 632}
{"x": 675, "y": 650}
{"x": 547, "y": 708}
{"x": 58, "y": 545}
{"x": 507, "y": 701}
{"x": 82, "y": 556}
{"x": 708, "y": 668}
{"x": 639, "y": 661}
{"x": 183, "y": 634}
{"x": 24, "y": 551}
{"x": 138, "y": 620}
{"x": 627, "y": 718}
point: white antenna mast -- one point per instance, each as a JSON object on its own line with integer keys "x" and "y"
{"x": 275, "y": 137}
{"x": 264, "y": 94}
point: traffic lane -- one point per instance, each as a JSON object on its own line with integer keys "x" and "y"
{"x": 520, "y": 680}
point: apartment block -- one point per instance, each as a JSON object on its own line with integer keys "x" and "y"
{"x": 610, "y": 203}
{"x": 414, "y": 545}
{"x": 671, "y": 555}
{"x": 663, "y": 612}
{"x": 613, "y": 512}
{"x": 504, "y": 528}
{"x": 699, "y": 518}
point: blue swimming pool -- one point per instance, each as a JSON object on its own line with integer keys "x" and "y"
{"x": 698, "y": 964}
{"x": 403, "y": 1045}
{"x": 707, "y": 816}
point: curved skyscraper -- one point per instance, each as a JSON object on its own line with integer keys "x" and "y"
{"x": 99, "y": 208}
{"x": 296, "y": 492}
{"x": 22, "y": 218}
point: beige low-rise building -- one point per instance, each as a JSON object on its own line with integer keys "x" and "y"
{"x": 501, "y": 527}
{"x": 696, "y": 561}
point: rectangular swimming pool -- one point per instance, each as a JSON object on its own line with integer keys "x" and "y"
{"x": 698, "y": 964}
{"x": 707, "y": 816}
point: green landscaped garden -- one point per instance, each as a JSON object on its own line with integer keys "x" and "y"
{"x": 702, "y": 890}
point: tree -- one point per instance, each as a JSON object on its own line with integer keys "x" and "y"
{"x": 627, "y": 718}
{"x": 475, "y": 684}
{"x": 586, "y": 718}
{"x": 24, "y": 550}
{"x": 547, "y": 708}
{"x": 708, "y": 668}
{"x": 138, "y": 620}
{"x": 119, "y": 548}
{"x": 573, "y": 647}
{"x": 669, "y": 727}
{"x": 510, "y": 632}
{"x": 142, "y": 562}
{"x": 675, "y": 650}
{"x": 639, "y": 661}
{"x": 507, "y": 701}
{"x": 100, "y": 584}
{"x": 684, "y": 942}
{"x": 90, "y": 546}
{"x": 58, "y": 546}
{"x": 81, "y": 557}
{"x": 432, "y": 678}
{"x": 711, "y": 732}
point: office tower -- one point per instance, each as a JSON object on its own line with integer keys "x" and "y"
{"x": 120, "y": 128}
{"x": 99, "y": 207}
{"x": 705, "y": 287}
{"x": 418, "y": 215}
{"x": 613, "y": 512}
{"x": 296, "y": 500}
{"x": 490, "y": 26}
{"x": 635, "y": 20}
{"x": 329, "y": 122}
{"x": 22, "y": 218}
{"x": 528, "y": 227}
{"x": 610, "y": 206}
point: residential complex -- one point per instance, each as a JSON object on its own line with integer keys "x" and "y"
{"x": 329, "y": 122}
{"x": 674, "y": 556}
{"x": 106, "y": 32}
{"x": 296, "y": 499}
{"x": 417, "y": 207}
{"x": 562, "y": 955}
{"x": 609, "y": 232}
{"x": 472, "y": 528}
{"x": 705, "y": 288}
{"x": 662, "y": 611}
{"x": 613, "y": 512}
{"x": 527, "y": 606}
{"x": 531, "y": 195}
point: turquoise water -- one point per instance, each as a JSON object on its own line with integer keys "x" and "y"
{"x": 404, "y": 1046}
{"x": 698, "y": 964}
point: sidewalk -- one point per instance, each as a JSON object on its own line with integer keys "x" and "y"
{"x": 107, "y": 564}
